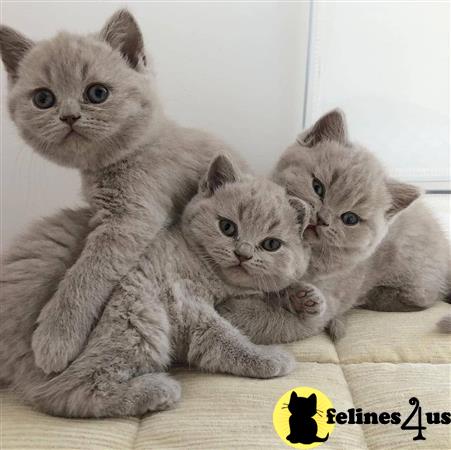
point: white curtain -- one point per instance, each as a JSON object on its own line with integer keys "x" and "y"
{"x": 387, "y": 65}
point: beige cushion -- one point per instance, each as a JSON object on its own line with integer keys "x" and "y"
{"x": 23, "y": 428}
{"x": 395, "y": 337}
{"x": 388, "y": 387}
{"x": 385, "y": 359}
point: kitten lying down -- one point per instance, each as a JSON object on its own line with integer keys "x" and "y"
{"x": 374, "y": 243}
{"x": 236, "y": 238}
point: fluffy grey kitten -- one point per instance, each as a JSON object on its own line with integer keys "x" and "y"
{"x": 373, "y": 243}
{"x": 236, "y": 238}
{"x": 89, "y": 102}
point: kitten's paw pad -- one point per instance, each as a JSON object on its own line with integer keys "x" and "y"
{"x": 274, "y": 362}
{"x": 307, "y": 300}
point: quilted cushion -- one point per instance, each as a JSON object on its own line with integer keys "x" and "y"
{"x": 385, "y": 359}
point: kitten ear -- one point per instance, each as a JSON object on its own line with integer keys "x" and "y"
{"x": 312, "y": 399}
{"x": 220, "y": 172}
{"x": 13, "y": 47}
{"x": 303, "y": 212}
{"x": 331, "y": 127}
{"x": 294, "y": 396}
{"x": 402, "y": 195}
{"x": 122, "y": 33}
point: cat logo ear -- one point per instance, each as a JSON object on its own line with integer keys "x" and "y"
{"x": 330, "y": 127}
{"x": 122, "y": 33}
{"x": 298, "y": 417}
{"x": 220, "y": 172}
{"x": 13, "y": 47}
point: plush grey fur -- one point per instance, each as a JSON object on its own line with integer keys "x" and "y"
{"x": 30, "y": 273}
{"x": 163, "y": 310}
{"x": 395, "y": 259}
{"x": 138, "y": 168}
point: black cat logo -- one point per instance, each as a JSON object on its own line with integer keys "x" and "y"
{"x": 303, "y": 426}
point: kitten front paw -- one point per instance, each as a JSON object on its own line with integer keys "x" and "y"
{"x": 55, "y": 343}
{"x": 307, "y": 300}
{"x": 273, "y": 361}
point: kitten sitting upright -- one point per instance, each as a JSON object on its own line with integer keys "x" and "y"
{"x": 372, "y": 244}
{"x": 89, "y": 102}
{"x": 237, "y": 237}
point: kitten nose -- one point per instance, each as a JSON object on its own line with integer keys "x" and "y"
{"x": 70, "y": 119}
{"x": 244, "y": 251}
{"x": 242, "y": 258}
{"x": 321, "y": 222}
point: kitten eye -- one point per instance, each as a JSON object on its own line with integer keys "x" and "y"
{"x": 97, "y": 93}
{"x": 271, "y": 244}
{"x": 350, "y": 219}
{"x": 44, "y": 98}
{"x": 318, "y": 187}
{"x": 228, "y": 228}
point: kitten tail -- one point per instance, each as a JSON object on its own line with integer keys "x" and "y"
{"x": 444, "y": 324}
{"x": 448, "y": 292}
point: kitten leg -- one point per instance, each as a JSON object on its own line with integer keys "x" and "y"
{"x": 217, "y": 346}
{"x": 111, "y": 249}
{"x": 121, "y": 372}
{"x": 30, "y": 272}
{"x": 392, "y": 299}
{"x": 280, "y": 317}
{"x": 104, "y": 396}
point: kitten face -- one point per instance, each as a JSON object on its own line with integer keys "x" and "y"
{"x": 80, "y": 101}
{"x": 336, "y": 180}
{"x": 351, "y": 197}
{"x": 249, "y": 231}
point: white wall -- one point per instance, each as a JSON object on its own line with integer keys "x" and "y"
{"x": 238, "y": 70}
{"x": 387, "y": 65}
{"x": 235, "y": 69}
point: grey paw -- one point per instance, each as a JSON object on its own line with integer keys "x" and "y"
{"x": 152, "y": 392}
{"x": 307, "y": 300}
{"x": 169, "y": 394}
{"x": 273, "y": 362}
